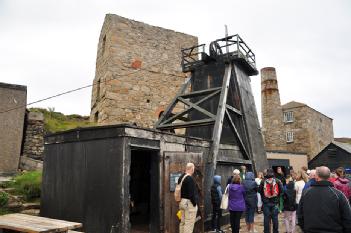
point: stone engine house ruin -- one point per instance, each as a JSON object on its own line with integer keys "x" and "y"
{"x": 138, "y": 71}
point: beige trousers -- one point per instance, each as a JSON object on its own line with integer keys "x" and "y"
{"x": 188, "y": 216}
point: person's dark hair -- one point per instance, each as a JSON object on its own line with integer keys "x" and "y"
{"x": 270, "y": 173}
{"x": 323, "y": 172}
{"x": 340, "y": 171}
{"x": 236, "y": 179}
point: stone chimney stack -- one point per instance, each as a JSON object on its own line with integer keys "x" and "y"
{"x": 272, "y": 114}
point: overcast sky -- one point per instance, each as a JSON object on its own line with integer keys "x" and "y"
{"x": 50, "y": 45}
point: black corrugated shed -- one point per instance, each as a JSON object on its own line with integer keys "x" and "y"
{"x": 336, "y": 154}
{"x": 123, "y": 175}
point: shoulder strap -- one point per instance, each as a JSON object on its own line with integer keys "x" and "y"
{"x": 226, "y": 189}
{"x": 181, "y": 182}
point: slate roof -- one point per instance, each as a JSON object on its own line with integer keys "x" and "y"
{"x": 345, "y": 146}
{"x": 294, "y": 104}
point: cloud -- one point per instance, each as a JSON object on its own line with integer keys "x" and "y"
{"x": 50, "y": 46}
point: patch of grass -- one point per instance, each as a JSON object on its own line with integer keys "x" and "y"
{"x": 28, "y": 184}
{"x": 56, "y": 121}
{"x": 4, "y": 198}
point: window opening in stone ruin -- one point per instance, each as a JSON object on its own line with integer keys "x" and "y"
{"x": 103, "y": 45}
{"x": 96, "y": 116}
{"x": 289, "y": 136}
{"x": 288, "y": 116}
{"x": 147, "y": 101}
{"x": 143, "y": 191}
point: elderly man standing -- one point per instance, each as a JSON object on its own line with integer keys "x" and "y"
{"x": 189, "y": 200}
{"x": 323, "y": 208}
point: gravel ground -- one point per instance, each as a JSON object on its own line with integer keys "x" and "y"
{"x": 259, "y": 225}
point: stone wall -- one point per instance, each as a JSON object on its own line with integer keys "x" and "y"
{"x": 13, "y": 100}
{"x": 138, "y": 71}
{"x": 320, "y": 132}
{"x": 296, "y": 160}
{"x": 33, "y": 146}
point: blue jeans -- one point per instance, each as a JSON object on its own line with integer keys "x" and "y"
{"x": 250, "y": 214}
{"x": 270, "y": 212}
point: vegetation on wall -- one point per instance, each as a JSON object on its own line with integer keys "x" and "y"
{"x": 56, "y": 121}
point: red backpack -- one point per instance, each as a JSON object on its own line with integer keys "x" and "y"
{"x": 270, "y": 189}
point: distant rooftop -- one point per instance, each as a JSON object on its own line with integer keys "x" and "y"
{"x": 345, "y": 146}
{"x": 293, "y": 104}
{"x": 344, "y": 140}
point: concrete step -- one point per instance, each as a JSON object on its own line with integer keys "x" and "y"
{"x": 34, "y": 212}
{"x": 27, "y": 206}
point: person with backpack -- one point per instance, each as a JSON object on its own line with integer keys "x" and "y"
{"x": 216, "y": 198}
{"x": 250, "y": 200}
{"x": 188, "y": 199}
{"x": 270, "y": 189}
{"x": 289, "y": 205}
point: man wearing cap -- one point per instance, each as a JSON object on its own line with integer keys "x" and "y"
{"x": 270, "y": 189}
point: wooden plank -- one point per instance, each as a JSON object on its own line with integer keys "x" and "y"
{"x": 204, "y": 111}
{"x": 35, "y": 224}
{"x": 178, "y": 115}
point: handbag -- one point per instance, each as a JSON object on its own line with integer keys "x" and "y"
{"x": 224, "y": 202}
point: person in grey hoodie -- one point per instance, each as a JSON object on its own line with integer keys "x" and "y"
{"x": 216, "y": 198}
{"x": 251, "y": 188}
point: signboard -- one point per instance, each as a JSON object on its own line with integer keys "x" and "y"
{"x": 173, "y": 180}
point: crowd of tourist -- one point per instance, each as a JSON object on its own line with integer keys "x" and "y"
{"x": 317, "y": 200}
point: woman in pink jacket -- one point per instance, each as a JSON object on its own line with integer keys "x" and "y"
{"x": 342, "y": 183}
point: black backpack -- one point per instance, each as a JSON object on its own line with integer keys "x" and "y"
{"x": 289, "y": 197}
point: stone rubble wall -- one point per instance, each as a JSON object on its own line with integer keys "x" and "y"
{"x": 34, "y": 136}
{"x": 138, "y": 71}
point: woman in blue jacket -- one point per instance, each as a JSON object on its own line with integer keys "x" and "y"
{"x": 250, "y": 200}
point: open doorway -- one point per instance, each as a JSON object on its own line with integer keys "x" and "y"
{"x": 144, "y": 191}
